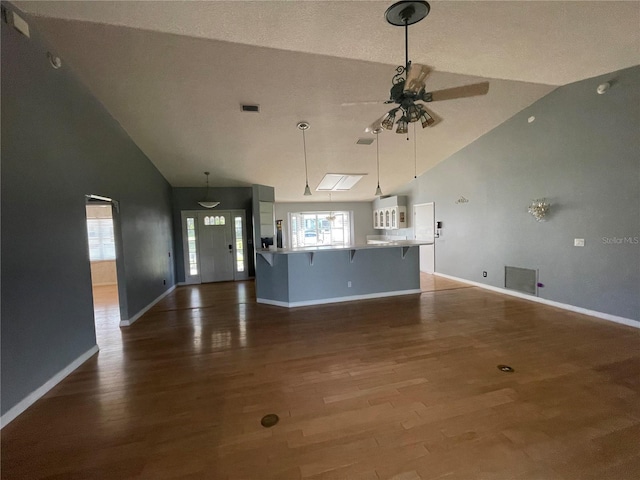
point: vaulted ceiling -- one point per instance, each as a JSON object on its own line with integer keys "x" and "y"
{"x": 174, "y": 74}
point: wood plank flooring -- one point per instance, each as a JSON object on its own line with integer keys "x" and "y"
{"x": 401, "y": 388}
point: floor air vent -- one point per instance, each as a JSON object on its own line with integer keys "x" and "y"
{"x": 521, "y": 279}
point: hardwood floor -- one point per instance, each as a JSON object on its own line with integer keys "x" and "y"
{"x": 404, "y": 388}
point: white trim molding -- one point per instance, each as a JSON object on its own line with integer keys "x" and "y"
{"x": 350, "y": 298}
{"x": 565, "y": 306}
{"x": 34, "y": 396}
{"x": 129, "y": 321}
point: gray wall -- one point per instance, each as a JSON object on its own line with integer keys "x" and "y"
{"x": 583, "y": 154}
{"x": 362, "y": 214}
{"x": 231, "y": 198}
{"x": 58, "y": 144}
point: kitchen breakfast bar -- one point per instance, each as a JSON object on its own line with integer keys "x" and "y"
{"x": 316, "y": 275}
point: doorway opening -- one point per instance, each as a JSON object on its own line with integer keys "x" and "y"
{"x": 214, "y": 246}
{"x": 102, "y": 235}
{"x": 424, "y": 230}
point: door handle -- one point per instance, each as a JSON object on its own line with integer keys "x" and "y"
{"x": 230, "y": 247}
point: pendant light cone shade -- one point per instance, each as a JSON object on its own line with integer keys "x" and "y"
{"x": 378, "y": 190}
{"x": 207, "y": 203}
{"x": 305, "y": 126}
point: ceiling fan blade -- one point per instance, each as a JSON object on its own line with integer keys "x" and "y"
{"x": 416, "y": 77}
{"x": 353, "y": 104}
{"x": 472, "y": 90}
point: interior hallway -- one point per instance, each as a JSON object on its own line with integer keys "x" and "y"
{"x": 372, "y": 389}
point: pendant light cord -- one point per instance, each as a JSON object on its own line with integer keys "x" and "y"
{"x": 304, "y": 146}
{"x": 378, "y": 157}
{"x": 415, "y": 153}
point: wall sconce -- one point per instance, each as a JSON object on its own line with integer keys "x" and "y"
{"x": 539, "y": 209}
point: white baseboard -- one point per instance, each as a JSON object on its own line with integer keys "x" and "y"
{"x": 34, "y": 396}
{"x": 322, "y": 301}
{"x": 129, "y": 321}
{"x": 565, "y": 306}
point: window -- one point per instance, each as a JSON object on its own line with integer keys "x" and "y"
{"x": 239, "y": 244}
{"x": 217, "y": 220}
{"x": 191, "y": 242}
{"x": 101, "y": 242}
{"x": 320, "y": 228}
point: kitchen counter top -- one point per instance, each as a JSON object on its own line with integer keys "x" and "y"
{"x": 326, "y": 248}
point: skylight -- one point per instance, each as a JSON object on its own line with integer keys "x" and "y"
{"x": 339, "y": 182}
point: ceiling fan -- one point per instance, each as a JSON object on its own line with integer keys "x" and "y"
{"x": 409, "y": 81}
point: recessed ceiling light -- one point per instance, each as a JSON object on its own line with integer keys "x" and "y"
{"x": 531, "y": 119}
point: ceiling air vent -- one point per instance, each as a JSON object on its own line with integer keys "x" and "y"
{"x": 250, "y": 108}
{"x": 364, "y": 141}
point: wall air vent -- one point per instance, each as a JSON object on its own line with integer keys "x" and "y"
{"x": 339, "y": 182}
{"x": 522, "y": 280}
{"x": 250, "y": 108}
{"x": 364, "y": 141}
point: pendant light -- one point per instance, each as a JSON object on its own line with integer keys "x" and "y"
{"x": 377, "y": 131}
{"x": 305, "y": 126}
{"x": 207, "y": 203}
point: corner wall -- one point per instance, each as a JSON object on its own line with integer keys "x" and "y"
{"x": 59, "y": 144}
{"x": 582, "y": 153}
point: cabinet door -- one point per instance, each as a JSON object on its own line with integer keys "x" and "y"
{"x": 387, "y": 219}
{"x": 375, "y": 219}
{"x": 394, "y": 216}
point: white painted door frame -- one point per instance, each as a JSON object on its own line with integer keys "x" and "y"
{"x": 424, "y": 230}
{"x": 196, "y": 278}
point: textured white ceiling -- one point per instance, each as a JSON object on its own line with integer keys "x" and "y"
{"x": 179, "y": 96}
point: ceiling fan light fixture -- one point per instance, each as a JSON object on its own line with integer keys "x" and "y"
{"x": 413, "y": 113}
{"x": 403, "y": 125}
{"x": 389, "y": 119}
{"x": 426, "y": 119}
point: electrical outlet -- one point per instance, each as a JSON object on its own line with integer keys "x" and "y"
{"x": 349, "y": 284}
{"x": 164, "y": 282}
{"x": 578, "y": 242}
{"x": 484, "y": 274}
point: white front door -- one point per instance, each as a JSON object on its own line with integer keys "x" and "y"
{"x": 215, "y": 239}
{"x": 424, "y": 230}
